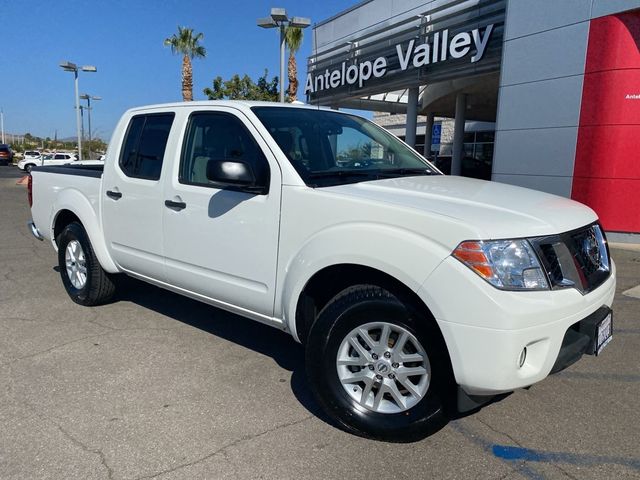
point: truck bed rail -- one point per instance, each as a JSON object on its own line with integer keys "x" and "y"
{"x": 81, "y": 170}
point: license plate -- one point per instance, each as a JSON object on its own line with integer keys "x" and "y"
{"x": 605, "y": 333}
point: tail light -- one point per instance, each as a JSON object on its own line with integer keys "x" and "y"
{"x": 30, "y": 191}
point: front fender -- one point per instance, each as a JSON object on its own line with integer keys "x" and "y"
{"x": 400, "y": 253}
{"x": 80, "y": 206}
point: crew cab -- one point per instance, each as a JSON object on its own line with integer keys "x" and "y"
{"x": 413, "y": 292}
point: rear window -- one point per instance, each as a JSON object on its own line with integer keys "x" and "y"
{"x": 144, "y": 145}
{"x": 32, "y": 153}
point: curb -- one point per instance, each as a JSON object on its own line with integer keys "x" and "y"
{"x": 634, "y": 247}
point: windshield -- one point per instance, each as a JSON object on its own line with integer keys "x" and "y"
{"x": 329, "y": 148}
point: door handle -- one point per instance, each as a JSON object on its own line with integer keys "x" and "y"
{"x": 175, "y": 205}
{"x": 114, "y": 195}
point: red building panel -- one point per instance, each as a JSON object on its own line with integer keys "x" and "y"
{"x": 614, "y": 199}
{"x": 611, "y": 97}
{"x": 607, "y": 167}
{"x": 614, "y": 42}
{"x": 599, "y": 150}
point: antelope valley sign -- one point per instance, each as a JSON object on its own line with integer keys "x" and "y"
{"x": 437, "y": 48}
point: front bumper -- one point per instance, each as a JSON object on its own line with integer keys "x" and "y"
{"x": 486, "y": 329}
{"x": 580, "y": 339}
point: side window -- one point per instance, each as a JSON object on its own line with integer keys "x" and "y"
{"x": 144, "y": 145}
{"x": 218, "y": 136}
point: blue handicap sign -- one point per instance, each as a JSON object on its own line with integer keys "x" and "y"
{"x": 436, "y": 134}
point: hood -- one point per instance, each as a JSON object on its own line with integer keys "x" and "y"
{"x": 495, "y": 210}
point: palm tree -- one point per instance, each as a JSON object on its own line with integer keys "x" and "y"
{"x": 186, "y": 44}
{"x": 293, "y": 39}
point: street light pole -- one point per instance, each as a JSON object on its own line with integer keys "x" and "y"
{"x": 279, "y": 19}
{"x": 282, "y": 42}
{"x": 2, "y": 124}
{"x": 82, "y": 122}
{"x": 78, "y": 116}
{"x": 72, "y": 67}
{"x": 88, "y": 98}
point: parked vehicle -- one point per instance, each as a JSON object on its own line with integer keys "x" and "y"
{"x": 52, "y": 159}
{"x": 412, "y": 291}
{"x": 31, "y": 154}
{"x": 30, "y": 159}
{"x": 6, "y": 154}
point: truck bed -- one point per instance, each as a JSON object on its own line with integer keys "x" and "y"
{"x": 77, "y": 191}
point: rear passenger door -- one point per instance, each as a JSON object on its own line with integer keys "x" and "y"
{"x": 132, "y": 205}
{"x": 222, "y": 243}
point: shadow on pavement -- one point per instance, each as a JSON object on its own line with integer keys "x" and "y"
{"x": 285, "y": 351}
{"x": 253, "y": 335}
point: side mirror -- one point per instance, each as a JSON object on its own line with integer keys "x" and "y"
{"x": 233, "y": 173}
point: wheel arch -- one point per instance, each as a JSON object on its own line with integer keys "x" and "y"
{"x": 73, "y": 206}
{"x": 328, "y": 282}
{"x": 62, "y": 219}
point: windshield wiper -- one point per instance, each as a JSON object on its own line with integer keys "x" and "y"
{"x": 377, "y": 174}
{"x": 344, "y": 173}
{"x": 407, "y": 171}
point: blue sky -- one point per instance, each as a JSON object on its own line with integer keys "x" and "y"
{"x": 123, "y": 39}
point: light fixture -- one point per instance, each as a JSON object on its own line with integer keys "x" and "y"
{"x": 278, "y": 19}
{"x": 72, "y": 67}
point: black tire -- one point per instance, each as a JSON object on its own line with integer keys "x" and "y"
{"x": 99, "y": 287}
{"x": 27, "y": 168}
{"x": 356, "y": 306}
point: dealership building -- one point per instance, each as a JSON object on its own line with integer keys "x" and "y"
{"x": 539, "y": 93}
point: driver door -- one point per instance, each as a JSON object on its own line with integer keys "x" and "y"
{"x": 221, "y": 243}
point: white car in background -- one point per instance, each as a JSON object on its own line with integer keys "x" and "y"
{"x": 53, "y": 159}
{"x": 31, "y": 155}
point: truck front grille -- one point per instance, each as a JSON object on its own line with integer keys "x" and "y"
{"x": 576, "y": 259}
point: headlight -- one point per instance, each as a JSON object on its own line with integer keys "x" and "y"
{"x": 506, "y": 264}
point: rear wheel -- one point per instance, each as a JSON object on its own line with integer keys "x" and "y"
{"x": 82, "y": 276}
{"x": 375, "y": 366}
{"x": 27, "y": 168}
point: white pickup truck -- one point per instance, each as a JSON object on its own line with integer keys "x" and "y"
{"x": 411, "y": 290}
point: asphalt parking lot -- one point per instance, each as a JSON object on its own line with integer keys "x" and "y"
{"x": 159, "y": 386}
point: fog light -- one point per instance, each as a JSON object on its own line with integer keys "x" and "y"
{"x": 523, "y": 357}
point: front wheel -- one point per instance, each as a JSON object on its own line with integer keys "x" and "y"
{"x": 376, "y": 367}
{"x": 82, "y": 276}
